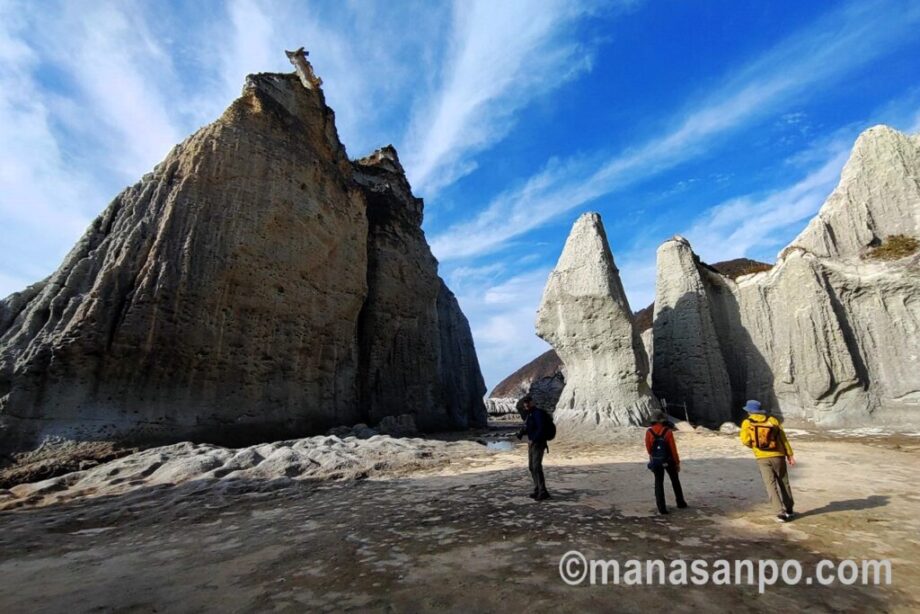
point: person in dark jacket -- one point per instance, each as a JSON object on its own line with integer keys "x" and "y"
{"x": 662, "y": 453}
{"x": 534, "y": 421}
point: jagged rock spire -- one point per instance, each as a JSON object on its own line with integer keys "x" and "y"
{"x": 585, "y": 316}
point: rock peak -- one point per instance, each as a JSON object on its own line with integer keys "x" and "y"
{"x": 585, "y": 316}
{"x": 386, "y": 158}
{"x": 878, "y": 196}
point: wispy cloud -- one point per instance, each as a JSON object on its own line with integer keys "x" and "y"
{"x": 837, "y": 44}
{"x": 735, "y": 228}
{"x": 43, "y": 196}
{"x": 502, "y": 55}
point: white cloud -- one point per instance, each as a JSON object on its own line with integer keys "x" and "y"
{"x": 839, "y": 43}
{"x": 42, "y": 198}
{"x": 502, "y": 56}
{"x": 735, "y": 228}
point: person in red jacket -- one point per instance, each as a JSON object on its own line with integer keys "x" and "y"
{"x": 662, "y": 455}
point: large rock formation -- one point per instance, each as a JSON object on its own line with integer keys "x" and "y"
{"x": 585, "y": 316}
{"x": 463, "y": 388}
{"x": 877, "y": 196}
{"x": 688, "y": 363}
{"x": 543, "y": 378}
{"x": 827, "y": 334}
{"x": 255, "y": 285}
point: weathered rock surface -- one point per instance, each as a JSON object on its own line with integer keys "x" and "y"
{"x": 247, "y": 289}
{"x": 688, "y": 363}
{"x": 271, "y": 464}
{"x": 406, "y": 324}
{"x": 543, "y": 378}
{"x": 585, "y": 316}
{"x": 463, "y": 386}
{"x": 877, "y": 196}
{"x": 826, "y": 336}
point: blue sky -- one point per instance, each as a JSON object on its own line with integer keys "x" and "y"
{"x": 727, "y": 122}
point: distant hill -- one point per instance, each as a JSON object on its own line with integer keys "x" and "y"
{"x": 546, "y": 364}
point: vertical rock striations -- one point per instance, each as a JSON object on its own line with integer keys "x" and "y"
{"x": 416, "y": 349}
{"x": 689, "y": 366}
{"x": 826, "y": 334}
{"x": 463, "y": 386}
{"x": 586, "y": 317}
{"x": 877, "y": 197}
{"x": 398, "y": 328}
{"x": 250, "y": 287}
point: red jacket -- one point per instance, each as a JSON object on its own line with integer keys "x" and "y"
{"x": 657, "y": 429}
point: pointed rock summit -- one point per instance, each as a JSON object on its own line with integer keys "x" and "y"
{"x": 689, "y": 366}
{"x": 256, "y": 285}
{"x": 830, "y": 333}
{"x": 586, "y": 317}
{"x": 878, "y": 196}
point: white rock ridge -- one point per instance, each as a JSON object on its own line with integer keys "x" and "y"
{"x": 689, "y": 366}
{"x": 877, "y": 196}
{"x": 825, "y": 335}
{"x": 585, "y": 316}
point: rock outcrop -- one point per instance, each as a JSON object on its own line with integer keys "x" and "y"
{"x": 585, "y": 316}
{"x": 877, "y": 197}
{"x": 266, "y": 466}
{"x": 543, "y": 378}
{"x": 824, "y": 335}
{"x": 463, "y": 388}
{"x": 688, "y": 363}
{"x": 256, "y": 285}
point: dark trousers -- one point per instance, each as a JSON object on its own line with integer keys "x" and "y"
{"x": 535, "y": 450}
{"x": 659, "y": 486}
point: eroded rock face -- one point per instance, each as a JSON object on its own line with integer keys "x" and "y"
{"x": 398, "y": 328}
{"x": 585, "y": 316}
{"x": 220, "y": 297}
{"x": 877, "y": 197}
{"x": 824, "y": 335}
{"x": 688, "y": 364}
{"x": 464, "y": 387}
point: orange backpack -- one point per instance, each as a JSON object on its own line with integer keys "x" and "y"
{"x": 766, "y": 436}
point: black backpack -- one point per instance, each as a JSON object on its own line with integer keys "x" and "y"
{"x": 549, "y": 427}
{"x": 661, "y": 451}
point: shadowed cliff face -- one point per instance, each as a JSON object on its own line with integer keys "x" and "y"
{"x": 416, "y": 350}
{"x": 219, "y": 297}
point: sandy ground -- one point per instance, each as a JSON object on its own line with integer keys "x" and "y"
{"x": 464, "y": 536}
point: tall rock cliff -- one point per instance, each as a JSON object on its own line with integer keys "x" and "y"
{"x": 585, "y": 316}
{"x": 688, "y": 363}
{"x": 828, "y": 334}
{"x": 248, "y": 288}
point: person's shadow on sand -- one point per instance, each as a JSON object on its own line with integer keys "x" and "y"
{"x": 848, "y": 505}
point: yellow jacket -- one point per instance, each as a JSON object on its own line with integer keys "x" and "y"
{"x": 747, "y": 436}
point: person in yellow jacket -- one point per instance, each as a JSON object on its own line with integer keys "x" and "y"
{"x": 764, "y": 434}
